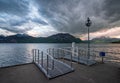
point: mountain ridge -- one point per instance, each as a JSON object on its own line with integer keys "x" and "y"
{"x": 56, "y": 38}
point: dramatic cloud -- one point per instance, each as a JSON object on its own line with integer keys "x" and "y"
{"x": 70, "y": 15}
{"x": 112, "y": 33}
{"x": 38, "y": 17}
{"x": 15, "y": 7}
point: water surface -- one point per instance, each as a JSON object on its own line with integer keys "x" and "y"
{"x": 13, "y": 53}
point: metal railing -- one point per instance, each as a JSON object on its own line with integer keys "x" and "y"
{"x": 60, "y": 53}
{"x": 71, "y": 54}
{"x": 82, "y": 52}
{"x": 43, "y": 59}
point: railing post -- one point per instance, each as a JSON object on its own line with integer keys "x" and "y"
{"x": 63, "y": 55}
{"x": 42, "y": 58}
{"x": 33, "y": 54}
{"x": 58, "y": 53}
{"x": 53, "y": 52}
{"x": 49, "y": 51}
{"x": 53, "y": 64}
{"x": 71, "y": 60}
{"x": 47, "y": 64}
{"x": 87, "y": 58}
{"x": 38, "y": 56}
{"x": 77, "y": 51}
{"x": 73, "y": 48}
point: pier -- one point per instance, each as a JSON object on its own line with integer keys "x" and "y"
{"x": 30, "y": 73}
{"x": 51, "y": 62}
{"x": 50, "y": 66}
{"x": 67, "y": 64}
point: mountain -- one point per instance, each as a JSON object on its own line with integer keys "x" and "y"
{"x": 24, "y": 38}
{"x": 116, "y": 41}
{"x": 18, "y": 38}
{"x": 104, "y": 40}
{"x": 2, "y": 37}
{"x": 63, "y": 38}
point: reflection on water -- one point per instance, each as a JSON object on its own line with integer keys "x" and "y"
{"x": 11, "y": 54}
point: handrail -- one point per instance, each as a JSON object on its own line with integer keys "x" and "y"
{"x": 36, "y": 59}
{"x": 82, "y": 51}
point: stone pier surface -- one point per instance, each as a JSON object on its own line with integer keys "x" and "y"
{"x": 30, "y": 73}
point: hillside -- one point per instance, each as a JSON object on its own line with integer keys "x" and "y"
{"x": 24, "y": 38}
{"x": 104, "y": 40}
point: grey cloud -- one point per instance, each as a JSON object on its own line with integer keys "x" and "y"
{"x": 64, "y": 15}
{"x": 70, "y": 15}
{"x": 112, "y": 9}
{"x": 14, "y": 14}
{"x": 36, "y": 20}
{"x": 17, "y": 23}
{"x": 16, "y": 29}
{"x": 15, "y": 7}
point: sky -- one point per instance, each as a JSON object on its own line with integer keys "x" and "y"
{"x": 41, "y": 18}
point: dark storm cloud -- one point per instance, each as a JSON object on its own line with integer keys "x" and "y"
{"x": 70, "y": 15}
{"x": 16, "y": 29}
{"x": 112, "y": 8}
{"x": 36, "y": 20}
{"x": 63, "y": 15}
{"x": 14, "y": 14}
{"x": 15, "y": 7}
{"x": 17, "y": 23}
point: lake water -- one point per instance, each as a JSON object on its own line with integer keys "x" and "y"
{"x": 12, "y": 54}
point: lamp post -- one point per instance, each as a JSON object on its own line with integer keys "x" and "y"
{"x": 88, "y": 24}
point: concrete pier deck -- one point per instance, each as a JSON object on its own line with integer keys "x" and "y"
{"x": 59, "y": 68}
{"x": 100, "y": 73}
{"x": 82, "y": 60}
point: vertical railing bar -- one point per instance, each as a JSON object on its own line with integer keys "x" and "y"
{"x": 35, "y": 55}
{"x": 63, "y": 56}
{"x": 58, "y": 53}
{"x": 53, "y": 52}
{"x": 77, "y": 53}
{"x": 49, "y": 51}
{"x": 47, "y": 64}
{"x": 53, "y": 64}
{"x": 42, "y": 58}
{"x": 71, "y": 60}
{"x": 38, "y": 56}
